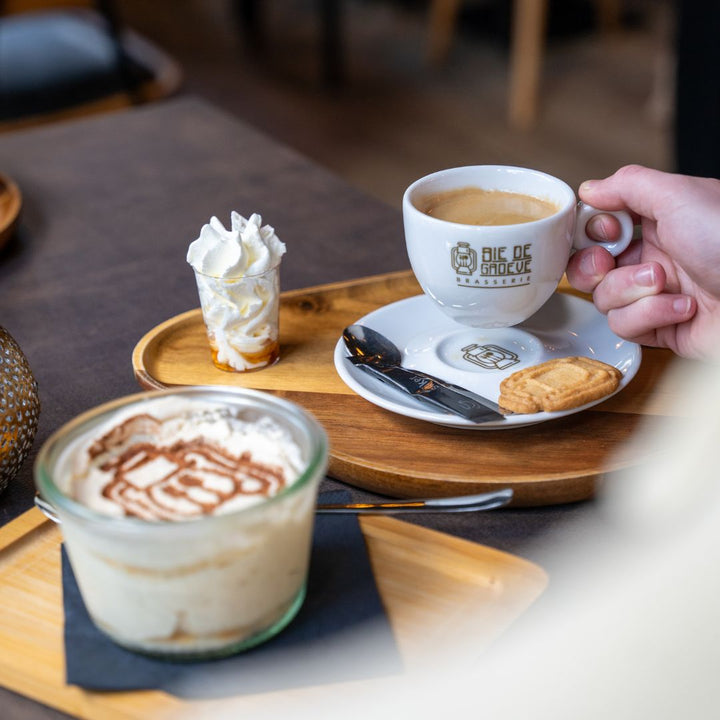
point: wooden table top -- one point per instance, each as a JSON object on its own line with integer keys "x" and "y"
{"x": 110, "y": 206}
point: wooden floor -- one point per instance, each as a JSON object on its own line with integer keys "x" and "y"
{"x": 396, "y": 118}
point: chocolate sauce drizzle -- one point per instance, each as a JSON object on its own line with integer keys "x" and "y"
{"x": 199, "y": 477}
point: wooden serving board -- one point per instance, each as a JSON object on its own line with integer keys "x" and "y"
{"x": 10, "y": 206}
{"x": 436, "y": 589}
{"x": 552, "y": 462}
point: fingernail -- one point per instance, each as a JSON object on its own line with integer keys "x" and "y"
{"x": 587, "y": 264}
{"x": 645, "y": 276}
{"x": 596, "y": 228}
{"x": 588, "y": 185}
{"x": 681, "y": 305}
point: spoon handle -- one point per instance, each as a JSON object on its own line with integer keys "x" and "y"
{"x": 465, "y": 503}
{"x": 432, "y": 391}
{"x": 46, "y": 508}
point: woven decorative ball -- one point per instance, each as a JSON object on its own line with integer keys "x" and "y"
{"x": 19, "y": 408}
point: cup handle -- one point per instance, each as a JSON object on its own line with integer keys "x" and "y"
{"x": 582, "y": 240}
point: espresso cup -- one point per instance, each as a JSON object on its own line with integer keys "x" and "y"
{"x": 490, "y": 243}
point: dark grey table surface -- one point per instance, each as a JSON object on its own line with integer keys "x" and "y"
{"x": 110, "y": 205}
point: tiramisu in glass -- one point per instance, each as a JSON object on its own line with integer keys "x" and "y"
{"x": 187, "y": 515}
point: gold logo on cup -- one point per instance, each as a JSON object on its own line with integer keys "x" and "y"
{"x": 496, "y": 267}
{"x": 463, "y": 259}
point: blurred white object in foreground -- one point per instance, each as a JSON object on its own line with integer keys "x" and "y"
{"x": 629, "y": 627}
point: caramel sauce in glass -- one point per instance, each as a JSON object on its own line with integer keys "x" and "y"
{"x": 269, "y": 355}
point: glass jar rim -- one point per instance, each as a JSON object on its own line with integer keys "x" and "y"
{"x": 54, "y": 446}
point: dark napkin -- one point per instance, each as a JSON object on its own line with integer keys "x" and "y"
{"x": 341, "y": 633}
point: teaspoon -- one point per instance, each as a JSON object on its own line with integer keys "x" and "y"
{"x": 463, "y": 503}
{"x": 378, "y": 356}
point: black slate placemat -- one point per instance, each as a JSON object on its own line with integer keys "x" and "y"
{"x": 341, "y": 633}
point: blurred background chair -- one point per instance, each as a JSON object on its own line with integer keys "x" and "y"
{"x": 527, "y": 42}
{"x": 329, "y": 12}
{"x": 395, "y": 119}
{"x": 61, "y": 59}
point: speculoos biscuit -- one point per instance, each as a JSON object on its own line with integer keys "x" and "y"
{"x": 558, "y": 384}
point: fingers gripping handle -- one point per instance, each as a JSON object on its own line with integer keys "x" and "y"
{"x": 582, "y": 240}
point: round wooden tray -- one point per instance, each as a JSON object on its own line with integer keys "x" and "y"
{"x": 553, "y": 462}
{"x": 10, "y": 205}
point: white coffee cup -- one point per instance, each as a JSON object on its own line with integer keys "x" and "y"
{"x": 498, "y": 275}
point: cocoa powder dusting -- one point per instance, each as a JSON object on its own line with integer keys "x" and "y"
{"x": 136, "y": 425}
{"x": 214, "y": 474}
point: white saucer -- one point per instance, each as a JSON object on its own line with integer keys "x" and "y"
{"x": 479, "y": 359}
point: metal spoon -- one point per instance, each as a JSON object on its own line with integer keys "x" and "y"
{"x": 377, "y": 355}
{"x": 464, "y": 503}
{"x": 371, "y": 346}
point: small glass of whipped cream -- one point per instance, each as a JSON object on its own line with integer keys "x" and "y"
{"x": 238, "y": 278}
{"x": 187, "y": 515}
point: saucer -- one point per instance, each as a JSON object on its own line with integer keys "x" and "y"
{"x": 480, "y": 359}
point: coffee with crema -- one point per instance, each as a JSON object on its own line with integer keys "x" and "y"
{"x": 489, "y": 244}
{"x": 475, "y": 206}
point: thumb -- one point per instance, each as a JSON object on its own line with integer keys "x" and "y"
{"x": 639, "y": 189}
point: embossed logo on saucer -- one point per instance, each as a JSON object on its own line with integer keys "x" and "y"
{"x": 490, "y": 357}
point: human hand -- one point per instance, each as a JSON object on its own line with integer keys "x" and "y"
{"x": 664, "y": 290}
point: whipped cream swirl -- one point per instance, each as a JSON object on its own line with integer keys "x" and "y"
{"x": 248, "y": 248}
